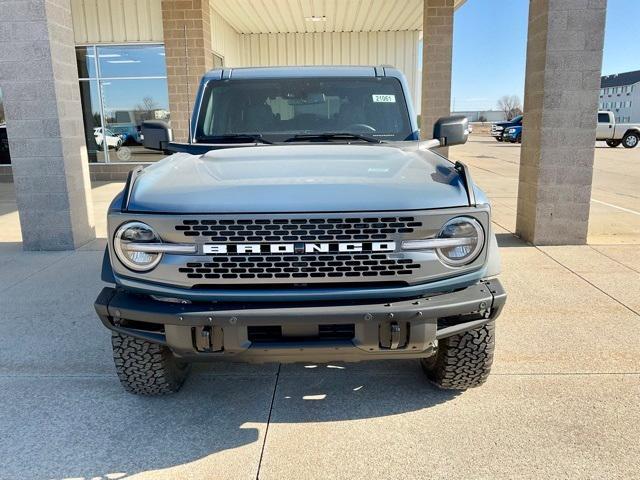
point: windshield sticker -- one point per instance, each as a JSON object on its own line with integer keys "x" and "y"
{"x": 384, "y": 98}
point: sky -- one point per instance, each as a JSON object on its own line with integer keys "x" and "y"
{"x": 489, "y": 49}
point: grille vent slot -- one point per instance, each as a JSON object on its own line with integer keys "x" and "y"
{"x": 298, "y": 266}
{"x": 299, "y": 229}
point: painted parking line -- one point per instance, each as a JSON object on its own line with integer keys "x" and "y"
{"x": 616, "y": 206}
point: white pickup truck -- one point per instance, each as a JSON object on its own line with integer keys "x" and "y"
{"x": 627, "y": 134}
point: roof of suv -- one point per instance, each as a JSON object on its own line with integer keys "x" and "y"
{"x": 303, "y": 71}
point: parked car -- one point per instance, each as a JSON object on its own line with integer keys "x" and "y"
{"x": 512, "y": 134}
{"x": 110, "y": 138}
{"x": 497, "y": 129}
{"x": 5, "y": 158}
{"x": 305, "y": 221}
{"x": 129, "y": 133}
{"x": 627, "y": 134}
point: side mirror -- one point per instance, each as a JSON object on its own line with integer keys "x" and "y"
{"x": 156, "y": 134}
{"x": 453, "y": 130}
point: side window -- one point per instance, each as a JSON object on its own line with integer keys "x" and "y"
{"x": 603, "y": 118}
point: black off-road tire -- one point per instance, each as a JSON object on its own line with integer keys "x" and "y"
{"x": 146, "y": 368}
{"x": 613, "y": 143}
{"x": 519, "y": 138}
{"x": 462, "y": 361}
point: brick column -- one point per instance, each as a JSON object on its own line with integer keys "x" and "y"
{"x": 190, "y": 17}
{"x": 564, "y": 59}
{"x": 39, "y": 80}
{"x": 437, "y": 40}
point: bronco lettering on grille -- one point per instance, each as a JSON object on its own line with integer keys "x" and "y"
{"x": 298, "y": 247}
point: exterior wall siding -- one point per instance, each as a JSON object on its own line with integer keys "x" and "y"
{"x": 117, "y": 21}
{"x": 225, "y": 40}
{"x": 399, "y": 49}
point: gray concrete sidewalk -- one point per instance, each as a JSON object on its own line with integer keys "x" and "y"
{"x": 561, "y": 402}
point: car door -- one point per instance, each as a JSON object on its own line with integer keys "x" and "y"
{"x": 604, "y": 130}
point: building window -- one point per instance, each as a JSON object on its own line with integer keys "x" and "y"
{"x": 120, "y": 87}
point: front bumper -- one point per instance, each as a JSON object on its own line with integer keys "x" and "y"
{"x": 314, "y": 331}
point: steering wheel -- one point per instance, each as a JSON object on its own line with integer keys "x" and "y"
{"x": 363, "y": 126}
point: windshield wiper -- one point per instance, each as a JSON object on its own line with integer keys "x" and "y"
{"x": 256, "y": 137}
{"x": 302, "y": 137}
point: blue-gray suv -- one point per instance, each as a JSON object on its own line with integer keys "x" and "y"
{"x": 302, "y": 221}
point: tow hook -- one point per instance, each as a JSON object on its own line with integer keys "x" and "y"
{"x": 209, "y": 339}
{"x": 393, "y": 335}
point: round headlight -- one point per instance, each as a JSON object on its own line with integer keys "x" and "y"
{"x": 136, "y": 233}
{"x": 471, "y": 236}
{"x": 511, "y": 130}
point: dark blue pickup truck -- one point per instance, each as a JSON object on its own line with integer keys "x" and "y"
{"x": 498, "y": 128}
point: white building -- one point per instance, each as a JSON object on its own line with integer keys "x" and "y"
{"x": 620, "y": 94}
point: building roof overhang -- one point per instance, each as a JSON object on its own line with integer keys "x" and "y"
{"x": 304, "y": 16}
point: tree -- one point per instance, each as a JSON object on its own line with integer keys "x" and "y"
{"x": 482, "y": 118}
{"x": 148, "y": 104}
{"x": 510, "y": 105}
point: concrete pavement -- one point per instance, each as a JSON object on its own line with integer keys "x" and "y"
{"x": 562, "y": 400}
{"x": 615, "y": 196}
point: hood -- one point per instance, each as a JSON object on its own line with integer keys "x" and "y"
{"x": 299, "y": 178}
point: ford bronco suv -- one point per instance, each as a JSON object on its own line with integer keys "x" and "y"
{"x": 303, "y": 221}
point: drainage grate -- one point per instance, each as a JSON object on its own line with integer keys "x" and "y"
{"x": 299, "y": 266}
{"x": 298, "y": 229}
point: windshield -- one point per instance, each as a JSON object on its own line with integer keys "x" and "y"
{"x": 279, "y": 109}
{"x": 517, "y": 119}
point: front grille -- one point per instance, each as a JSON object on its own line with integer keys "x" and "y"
{"x": 299, "y": 229}
{"x": 298, "y": 266}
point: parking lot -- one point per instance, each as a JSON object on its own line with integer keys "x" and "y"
{"x": 562, "y": 400}
{"x": 615, "y": 198}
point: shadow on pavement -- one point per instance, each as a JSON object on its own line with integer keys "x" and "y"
{"x": 510, "y": 240}
{"x": 90, "y": 428}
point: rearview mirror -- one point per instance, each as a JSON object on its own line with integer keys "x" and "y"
{"x": 157, "y": 134}
{"x": 453, "y": 130}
